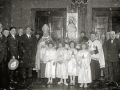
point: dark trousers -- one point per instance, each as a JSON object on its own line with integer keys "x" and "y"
{"x": 4, "y": 76}
{"x": 106, "y": 70}
{"x": 26, "y": 72}
{"x": 14, "y": 74}
{"x": 95, "y": 69}
{"x": 114, "y": 71}
{"x": 42, "y": 71}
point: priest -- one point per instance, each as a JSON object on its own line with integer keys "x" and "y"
{"x": 41, "y": 49}
{"x": 97, "y": 57}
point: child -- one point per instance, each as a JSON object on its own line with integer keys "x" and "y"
{"x": 50, "y": 58}
{"x": 83, "y": 58}
{"x": 78, "y": 47}
{"x": 61, "y": 66}
{"x": 72, "y": 63}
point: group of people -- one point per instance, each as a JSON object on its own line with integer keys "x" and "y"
{"x": 21, "y": 46}
{"x": 62, "y": 59}
{"x": 88, "y": 59}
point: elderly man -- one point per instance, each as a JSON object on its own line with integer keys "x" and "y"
{"x": 97, "y": 56}
{"x": 20, "y": 53}
{"x": 113, "y": 47}
{"x": 28, "y": 47}
{"x": 41, "y": 48}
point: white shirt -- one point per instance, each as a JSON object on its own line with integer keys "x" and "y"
{"x": 13, "y": 36}
{"x": 28, "y": 35}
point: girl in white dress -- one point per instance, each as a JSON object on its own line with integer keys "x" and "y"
{"x": 50, "y": 58}
{"x": 61, "y": 64}
{"x": 83, "y": 59}
{"x": 72, "y": 63}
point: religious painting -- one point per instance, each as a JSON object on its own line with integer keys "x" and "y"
{"x": 72, "y": 26}
{"x": 101, "y": 24}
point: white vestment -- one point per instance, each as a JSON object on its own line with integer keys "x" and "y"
{"x": 41, "y": 49}
{"x": 100, "y": 55}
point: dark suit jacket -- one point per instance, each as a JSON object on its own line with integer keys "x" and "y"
{"x": 29, "y": 47}
{"x": 13, "y": 46}
{"x": 83, "y": 39}
{"x": 3, "y": 48}
{"x": 113, "y": 50}
{"x": 105, "y": 49}
{"x": 20, "y": 53}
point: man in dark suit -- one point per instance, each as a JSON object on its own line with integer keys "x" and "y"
{"x": 29, "y": 45}
{"x": 3, "y": 60}
{"x": 113, "y": 47}
{"x": 13, "y": 48}
{"x": 19, "y": 37}
{"x": 37, "y": 36}
{"x": 83, "y": 37}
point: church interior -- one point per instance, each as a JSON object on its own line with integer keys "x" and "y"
{"x": 35, "y": 13}
{"x": 91, "y": 15}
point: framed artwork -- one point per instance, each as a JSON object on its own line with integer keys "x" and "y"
{"x": 57, "y": 27}
{"x": 101, "y": 24}
{"x": 72, "y": 26}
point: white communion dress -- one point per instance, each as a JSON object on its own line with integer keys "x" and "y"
{"x": 50, "y": 58}
{"x": 84, "y": 71}
{"x": 72, "y": 62}
{"x": 61, "y": 71}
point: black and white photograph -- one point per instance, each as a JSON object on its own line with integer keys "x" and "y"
{"x": 59, "y": 44}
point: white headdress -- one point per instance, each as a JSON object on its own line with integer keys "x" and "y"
{"x": 112, "y": 32}
{"x": 45, "y": 28}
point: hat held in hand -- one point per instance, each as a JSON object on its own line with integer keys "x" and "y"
{"x": 13, "y": 64}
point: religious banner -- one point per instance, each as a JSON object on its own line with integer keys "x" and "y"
{"x": 72, "y": 26}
